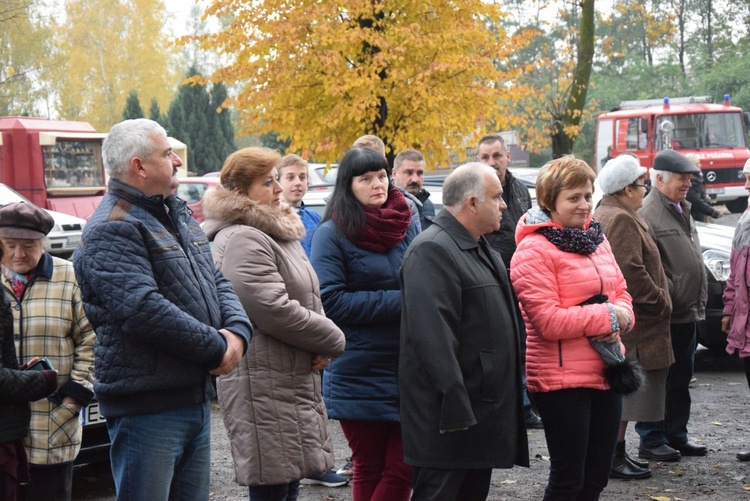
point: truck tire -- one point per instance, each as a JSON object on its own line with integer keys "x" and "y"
{"x": 738, "y": 205}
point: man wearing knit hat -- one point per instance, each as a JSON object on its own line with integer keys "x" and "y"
{"x": 668, "y": 215}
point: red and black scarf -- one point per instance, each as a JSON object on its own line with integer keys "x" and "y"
{"x": 386, "y": 225}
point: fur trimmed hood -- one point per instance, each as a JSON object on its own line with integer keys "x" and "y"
{"x": 223, "y": 208}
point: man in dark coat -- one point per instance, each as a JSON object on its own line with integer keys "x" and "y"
{"x": 668, "y": 216}
{"x": 459, "y": 369}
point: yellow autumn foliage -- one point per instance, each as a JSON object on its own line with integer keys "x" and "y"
{"x": 107, "y": 49}
{"x": 429, "y": 75}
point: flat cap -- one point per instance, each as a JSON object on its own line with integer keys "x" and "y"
{"x": 620, "y": 172}
{"x": 24, "y": 221}
{"x": 671, "y": 161}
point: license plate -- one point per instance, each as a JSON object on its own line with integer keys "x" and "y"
{"x": 715, "y": 191}
{"x": 91, "y": 414}
{"x": 74, "y": 239}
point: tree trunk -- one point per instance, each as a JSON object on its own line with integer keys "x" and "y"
{"x": 562, "y": 143}
{"x": 709, "y": 34}
{"x": 369, "y": 51}
{"x": 681, "y": 13}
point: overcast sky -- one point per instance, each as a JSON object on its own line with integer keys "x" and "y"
{"x": 180, "y": 10}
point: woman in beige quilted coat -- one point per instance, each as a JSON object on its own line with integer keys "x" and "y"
{"x": 272, "y": 403}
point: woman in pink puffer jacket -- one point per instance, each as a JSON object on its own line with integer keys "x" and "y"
{"x": 562, "y": 261}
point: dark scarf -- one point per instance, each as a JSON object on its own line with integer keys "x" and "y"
{"x": 386, "y": 225}
{"x": 575, "y": 240}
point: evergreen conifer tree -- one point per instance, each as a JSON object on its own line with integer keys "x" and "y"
{"x": 154, "y": 113}
{"x": 132, "y": 107}
{"x": 192, "y": 118}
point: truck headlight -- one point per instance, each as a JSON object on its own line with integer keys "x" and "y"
{"x": 717, "y": 263}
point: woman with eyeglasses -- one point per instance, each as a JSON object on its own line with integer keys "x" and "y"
{"x": 624, "y": 185}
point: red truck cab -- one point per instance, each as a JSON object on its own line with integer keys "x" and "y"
{"x": 714, "y": 132}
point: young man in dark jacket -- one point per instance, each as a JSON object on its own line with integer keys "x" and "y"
{"x": 165, "y": 320}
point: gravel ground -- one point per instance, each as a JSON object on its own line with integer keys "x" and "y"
{"x": 719, "y": 419}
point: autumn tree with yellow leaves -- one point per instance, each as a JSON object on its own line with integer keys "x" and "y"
{"x": 428, "y": 75}
{"x": 107, "y": 49}
{"x": 26, "y": 45}
{"x": 558, "y": 66}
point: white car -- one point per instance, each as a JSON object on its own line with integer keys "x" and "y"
{"x": 65, "y": 234}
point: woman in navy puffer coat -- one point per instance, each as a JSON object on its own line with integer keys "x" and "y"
{"x": 357, "y": 253}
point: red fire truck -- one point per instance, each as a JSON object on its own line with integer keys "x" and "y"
{"x": 714, "y": 132}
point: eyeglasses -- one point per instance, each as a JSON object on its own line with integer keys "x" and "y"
{"x": 644, "y": 186}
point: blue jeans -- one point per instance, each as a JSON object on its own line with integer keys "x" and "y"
{"x": 581, "y": 426}
{"x": 281, "y": 492}
{"x": 163, "y": 456}
{"x": 673, "y": 429}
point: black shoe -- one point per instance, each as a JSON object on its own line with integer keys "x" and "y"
{"x": 624, "y": 469}
{"x": 621, "y": 451}
{"x": 743, "y": 456}
{"x": 660, "y": 453}
{"x": 690, "y": 448}
{"x": 534, "y": 422}
{"x": 636, "y": 462}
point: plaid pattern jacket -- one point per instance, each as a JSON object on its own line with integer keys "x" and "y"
{"x": 49, "y": 322}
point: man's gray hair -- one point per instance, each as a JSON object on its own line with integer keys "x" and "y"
{"x": 465, "y": 181}
{"x": 665, "y": 175}
{"x": 410, "y": 155}
{"x": 126, "y": 140}
{"x": 492, "y": 138}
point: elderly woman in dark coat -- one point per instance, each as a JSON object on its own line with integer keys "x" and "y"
{"x": 623, "y": 182}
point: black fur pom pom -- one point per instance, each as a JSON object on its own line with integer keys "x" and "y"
{"x": 624, "y": 377}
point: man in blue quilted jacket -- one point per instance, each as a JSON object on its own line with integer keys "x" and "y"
{"x": 165, "y": 320}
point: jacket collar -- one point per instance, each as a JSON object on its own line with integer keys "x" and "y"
{"x": 466, "y": 241}
{"x": 684, "y": 218}
{"x": 223, "y": 208}
{"x": 615, "y": 203}
{"x": 456, "y": 230}
{"x": 45, "y": 266}
{"x": 423, "y": 195}
{"x": 135, "y": 196}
